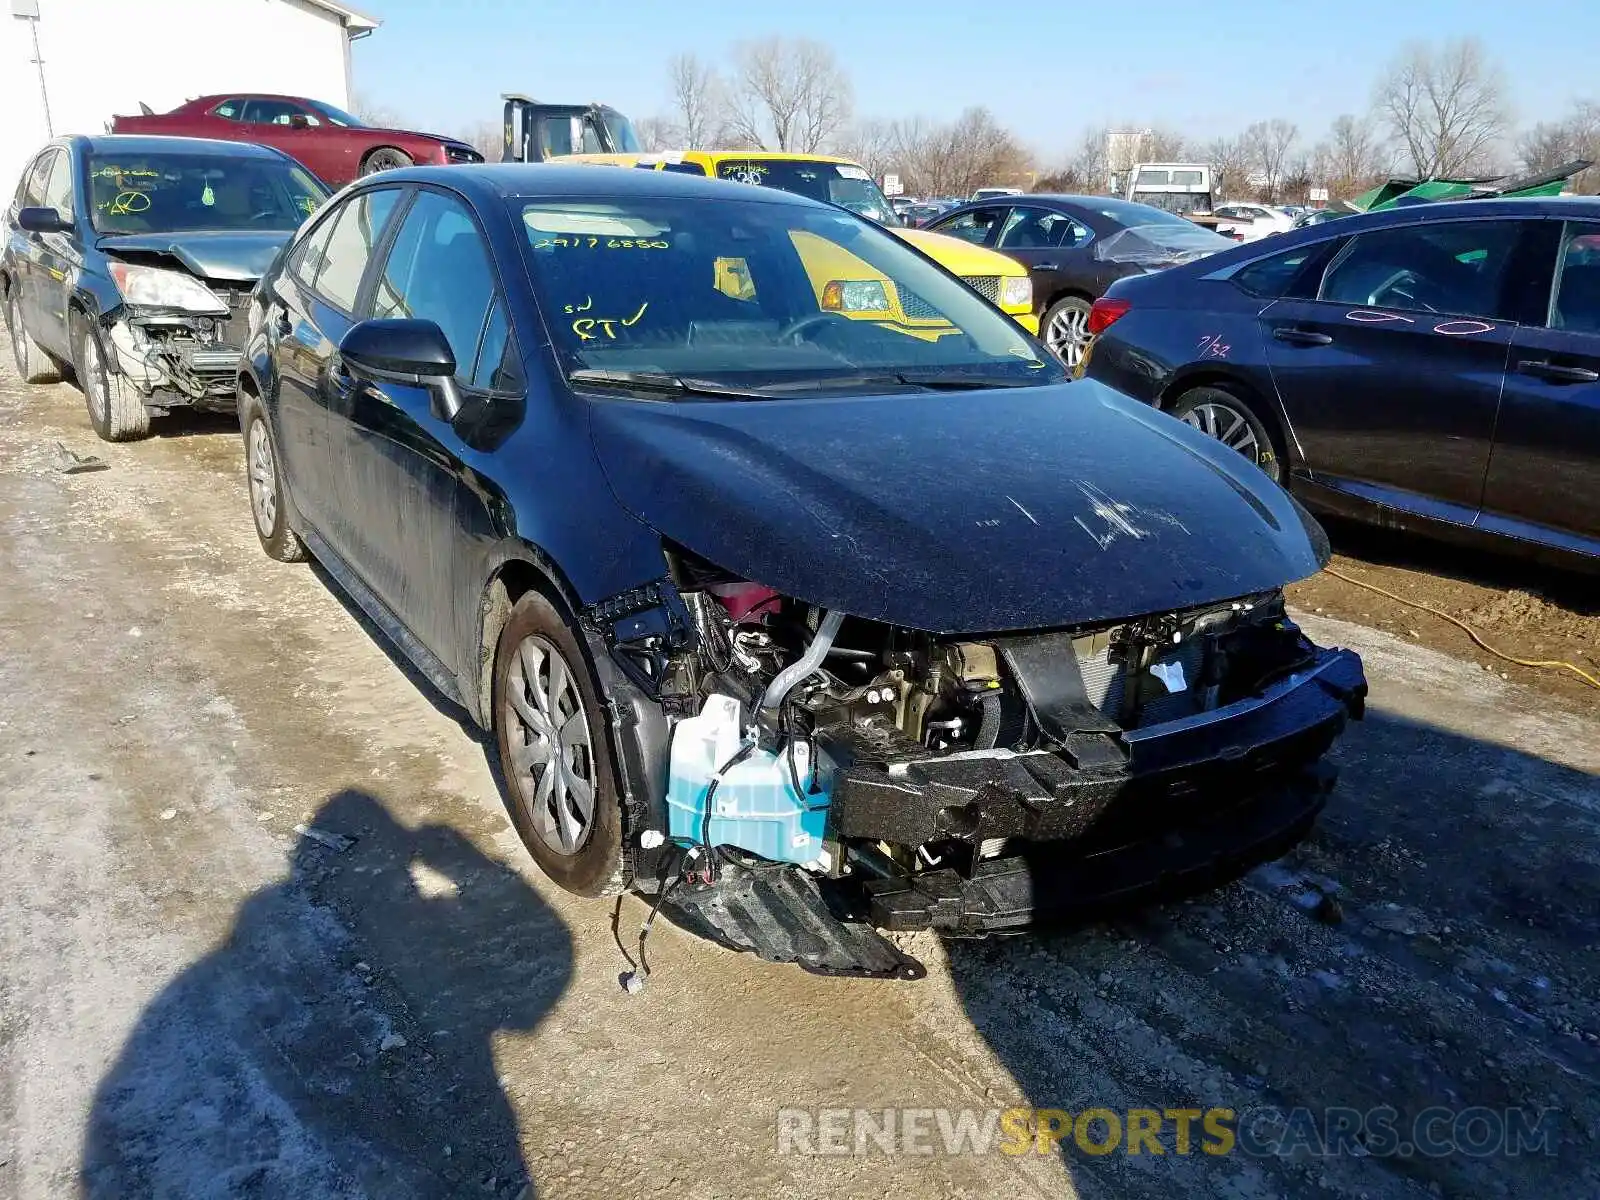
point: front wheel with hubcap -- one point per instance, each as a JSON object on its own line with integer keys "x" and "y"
{"x": 1066, "y": 329}
{"x": 1222, "y": 415}
{"x": 116, "y": 410}
{"x": 553, "y": 752}
{"x": 385, "y": 158}
{"x": 33, "y": 364}
{"x": 266, "y": 491}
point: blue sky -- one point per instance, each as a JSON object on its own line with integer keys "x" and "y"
{"x": 1047, "y": 70}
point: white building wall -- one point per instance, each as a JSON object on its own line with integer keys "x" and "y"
{"x": 102, "y": 57}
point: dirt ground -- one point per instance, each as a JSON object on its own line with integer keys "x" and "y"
{"x": 197, "y": 1000}
{"x": 1528, "y": 612}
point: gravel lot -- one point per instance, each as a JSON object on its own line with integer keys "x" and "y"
{"x": 197, "y": 1000}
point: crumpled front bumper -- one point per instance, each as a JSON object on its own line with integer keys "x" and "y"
{"x": 1243, "y": 774}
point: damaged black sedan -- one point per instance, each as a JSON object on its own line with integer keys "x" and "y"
{"x": 797, "y": 586}
{"x": 129, "y": 262}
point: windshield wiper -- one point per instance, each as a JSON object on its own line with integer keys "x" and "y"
{"x": 934, "y": 381}
{"x": 661, "y": 381}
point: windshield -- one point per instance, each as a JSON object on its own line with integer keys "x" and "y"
{"x": 166, "y": 193}
{"x": 336, "y": 115}
{"x": 757, "y": 295}
{"x": 1165, "y": 244}
{"x": 844, "y": 184}
{"x": 620, "y": 128}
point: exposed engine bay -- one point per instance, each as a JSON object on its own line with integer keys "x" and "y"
{"x": 177, "y": 356}
{"x": 951, "y": 782}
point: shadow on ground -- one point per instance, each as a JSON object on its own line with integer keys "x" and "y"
{"x": 1455, "y": 973}
{"x": 339, "y": 1042}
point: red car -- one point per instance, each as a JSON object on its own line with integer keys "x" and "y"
{"x": 331, "y": 144}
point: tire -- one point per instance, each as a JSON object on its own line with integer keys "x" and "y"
{"x": 1233, "y": 421}
{"x": 586, "y": 861}
{"x": 385, "y": 158}
{"x": 1065, "y": 329}
{"x": 116, "y": 410}
{"x": 270, "y": 509}
{"x": 33, "y": 364}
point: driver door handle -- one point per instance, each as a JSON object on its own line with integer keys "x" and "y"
{"x": 1556, "y": 373}
{"x": 1302, "y": 337}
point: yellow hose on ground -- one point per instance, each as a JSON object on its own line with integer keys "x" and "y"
{"x": 1472, "y": 633}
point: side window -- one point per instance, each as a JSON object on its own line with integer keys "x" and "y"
{"x": 58, "y": 187}
{"x": 977, "y": 226}
{"x": 1034, "y": 229}
{"x": 229, "y": 110}
{"x": 356, "y": 230}
{"x": 1287, "y": 274}
{"x": 33, "y": 183}
{"x": 684, "y": 168}
{"x": 498, "y": 369}
{"x": 270, "y": 112}
{"x": 1450, "y": 267}
{"x": 1576, "y": 308}
{"x": 438, "y": 270}
{"x": 312, "y": 251}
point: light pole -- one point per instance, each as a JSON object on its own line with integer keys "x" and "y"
{"x": 28, "y": 10}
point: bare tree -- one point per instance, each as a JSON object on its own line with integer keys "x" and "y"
{"x": 659, "y": 133}
{"x": 1164, "y": 145}
{"x": 970, "y": 152}
{"x": 1350, "y": 160}
{"x": 788, "y": 94}
{"x": 379, "y": 116}
{"x": 1091, "y": 163}
{"x": 697, "y": 100}
{"x": 1444, "y": 107}
{"x": 487, "y": 138}
{"x": 1266, "y": 146}
{"x": 874, "y": 144}
{"x": 1230, "y": 167}
{"x": 1552, "y": 144}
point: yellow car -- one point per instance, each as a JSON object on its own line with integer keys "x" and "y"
{"x": 1000, "y": 279}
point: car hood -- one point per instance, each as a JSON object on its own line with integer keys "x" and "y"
{"x": 959, "y": 512}
{"x": 417, "y": 133}
{"x": 240, "y": 256}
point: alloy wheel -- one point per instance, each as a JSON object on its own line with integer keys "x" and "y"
{"x": 263, "y": 479}
{"x": 1068, "y": 334}
{"x": 94, "y": 379}
{"x": 1228, "y": 425}
{"x": 19, "y": 348}
{"x": 552, "y": 766}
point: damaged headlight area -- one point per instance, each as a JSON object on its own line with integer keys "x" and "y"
{"x": 177, "y": 338}
{"x": 829, "y": 775}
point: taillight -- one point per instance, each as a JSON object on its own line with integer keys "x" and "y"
{"x": 1105, "y": 312}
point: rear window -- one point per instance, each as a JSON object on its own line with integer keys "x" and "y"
{"x": 844, "y": 184}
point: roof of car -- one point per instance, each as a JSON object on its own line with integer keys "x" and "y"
{"x": 535, "y": 180}
{"x": 144, "y": 143}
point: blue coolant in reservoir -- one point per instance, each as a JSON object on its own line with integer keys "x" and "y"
{"x": 756, "y": 806}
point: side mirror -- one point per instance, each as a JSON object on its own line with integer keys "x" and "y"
{"x": 43, "y": 220}
{"x": 405, "y": 351}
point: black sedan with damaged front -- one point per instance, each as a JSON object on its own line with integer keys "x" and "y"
{"x": 798, "y": 587}
{"x": 129, "y": 260}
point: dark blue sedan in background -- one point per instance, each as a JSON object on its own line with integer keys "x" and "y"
{"x": 1435, "y": 367}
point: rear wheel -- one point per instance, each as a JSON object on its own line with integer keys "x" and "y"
{"x": 384, "y": 158}
{"x": 33, "y": 364}
{"x": 116, "y": 409}
{"x": 1066, "y": 329}
{"x": 1233, "y": 422}
{"x": 268, "y": 504}
{"x": 559, "y": 777}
